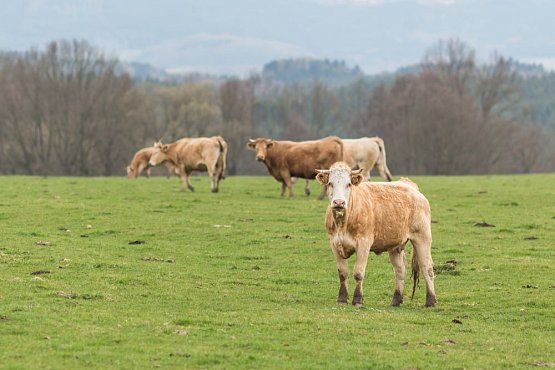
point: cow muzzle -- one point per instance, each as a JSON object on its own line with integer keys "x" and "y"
{"x": 260, "y": 158}
{"x": 338, "y": 204}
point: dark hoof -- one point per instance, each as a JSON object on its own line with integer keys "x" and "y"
{"x": 214, "y": 190}
{"x": 397, "y": 299}
{"x": 430, "y": 300}
{"x": 306, "y": 192}
{"x": 192, "y": 190}
{"x": 357, "y": 301}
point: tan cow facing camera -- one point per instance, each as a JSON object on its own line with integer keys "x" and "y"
{"x": 364, "y": 217}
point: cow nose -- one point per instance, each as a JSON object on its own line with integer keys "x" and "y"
{"x": 339, "y": 203}
{"x": 259, "y": 158}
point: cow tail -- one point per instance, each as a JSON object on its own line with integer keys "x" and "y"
{"x": 415, "y": 269}
{"x": 382, "y": 159}
{"x": 341, "y": 149}
{"x": 223, "y": 155}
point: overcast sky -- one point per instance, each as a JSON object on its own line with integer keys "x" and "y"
{"x": 237, "y": 36}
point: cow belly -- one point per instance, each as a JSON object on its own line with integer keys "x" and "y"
{"x": 380, "y": 246}
{"x": 196, "y": 167}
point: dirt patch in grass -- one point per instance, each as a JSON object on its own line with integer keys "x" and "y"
{"x": 483, "y": 224}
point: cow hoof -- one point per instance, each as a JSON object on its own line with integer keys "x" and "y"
{"x": 307, "y": 192}
{"x": 430, "y": 300}
{"x": 214, "y": 190}
{"x": 357, "y": 305}
{"x": 397, "y": 299}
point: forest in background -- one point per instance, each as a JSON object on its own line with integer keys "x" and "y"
{"x": 68, "y": 109}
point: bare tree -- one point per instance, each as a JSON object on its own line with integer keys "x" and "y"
{"x": 237, "y": 101}
{"x": 454, "y": 60}
{"x": 58, "y": 107}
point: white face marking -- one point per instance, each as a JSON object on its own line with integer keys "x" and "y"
{"x": 339, "y": 187}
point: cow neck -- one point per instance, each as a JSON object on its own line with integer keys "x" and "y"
{"x": 172, "y": 153}
{"x": 270, "y": 159}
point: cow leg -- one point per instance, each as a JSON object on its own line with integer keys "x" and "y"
{"x": 363, "y": 248}
{"x": 398, "y": 260}
{"x": 307, "y": 188}
{"x": 140, "y": 169}
{"x": 186, "y": 181}
{"x": 287, "y": 182}
{"x": 343, "y": 271}
{"x": 218, "y": 175}
{"x": 212, "y": 173}
{"x": 170, "y": 169}
{"x": 148, "y": 171}
{"x": 283, "y": 186}
{"x": 422, "y": 246}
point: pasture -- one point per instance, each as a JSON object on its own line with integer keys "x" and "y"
{"x": 118, "y": 273}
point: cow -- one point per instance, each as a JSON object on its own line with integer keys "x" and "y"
{"x": 194, "y": 154}
{"x": 365, "y": 217}
{"x": 140, "y": 163}
{"x": 366, "y": 153}
{"x": 287, "y": 159}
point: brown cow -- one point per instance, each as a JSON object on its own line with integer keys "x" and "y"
{"x": 139, "y": 163}
{"x": 286, "y": 159}
{"x": 368, "y": 216}
{"x": 194, "y": 154}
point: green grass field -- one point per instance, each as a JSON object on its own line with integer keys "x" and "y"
{"x": 244, "y": 279}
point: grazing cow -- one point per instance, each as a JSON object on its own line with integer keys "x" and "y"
{"x": 366, "y": 153}
{"x": 287, "y": 159}
{"x": 140, "y": 163}
{"x": 365, "y": 216}
{"x": 194, "y": 154}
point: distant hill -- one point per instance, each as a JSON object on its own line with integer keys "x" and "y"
{"x": 537, "y": 85}
{"x": 306, "y": 70}
{"x": 144, "y": 72}
{"x": 141, "y": 72}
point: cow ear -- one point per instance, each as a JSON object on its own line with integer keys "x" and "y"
{"x": 165, "y": 148}
{"x": 270, "y": 144}
{"x": 323, "y": 178}
{"x": 251, "y": 144}
{"x": 356, "y": 178}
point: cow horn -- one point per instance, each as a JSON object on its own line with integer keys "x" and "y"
{"x": 356, "y": 172}
{"x": 252, "y": 141}
{"x": 322, "y": 171}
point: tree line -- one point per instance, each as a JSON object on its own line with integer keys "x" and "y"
{"x": 71, "y": 110}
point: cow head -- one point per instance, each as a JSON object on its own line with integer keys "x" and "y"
{"x": 160, "y": 154}
{"x": 261, "y": 147}
{"x": 339, "y": 179}
{"x": 131, "y": 172}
